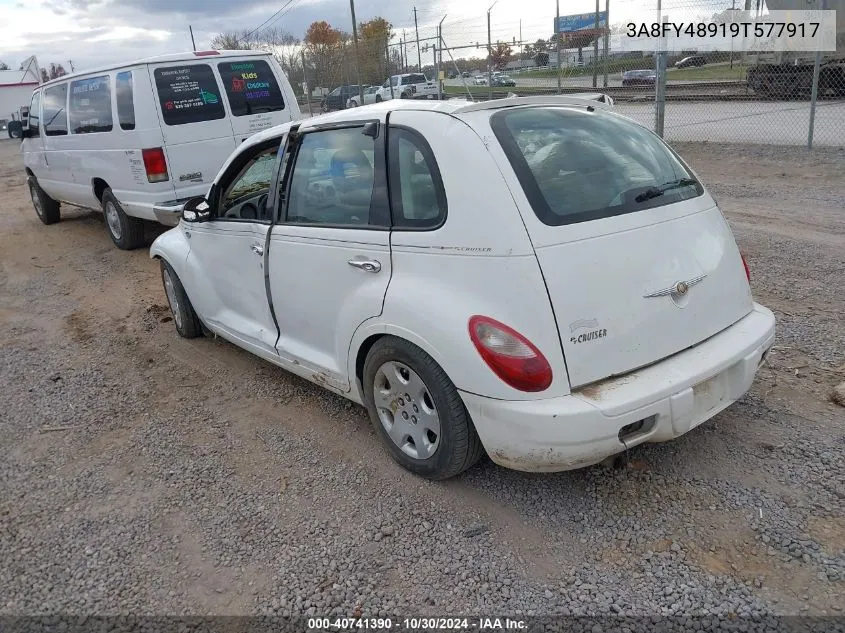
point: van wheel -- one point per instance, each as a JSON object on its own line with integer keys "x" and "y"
{"x": 417, "y": 411}
{"x": 15, "y": 129}
{"x": 187, "y": 322}
{"x": 46, "y": 208}
{"x": 378, "y": 98}
{"x": 127, "y": 233}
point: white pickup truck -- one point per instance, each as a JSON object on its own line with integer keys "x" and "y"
{"x": 408, "y": 86}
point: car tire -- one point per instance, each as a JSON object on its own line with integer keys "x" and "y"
{"x": 378, "y": 98}
{"x": 15, "y": 129}
{"x": 47, "y": 209}
{"x": 434, "y": 414}
{"x": 126, "y": 232}
{"x": 186, "y": 320}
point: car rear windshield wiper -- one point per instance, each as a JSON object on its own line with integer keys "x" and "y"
{"x": 653, "y": 192}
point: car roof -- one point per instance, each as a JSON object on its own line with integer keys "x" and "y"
{"x": 171, "y": 57}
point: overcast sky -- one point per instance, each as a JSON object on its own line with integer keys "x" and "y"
{"x": 98, "y": 32}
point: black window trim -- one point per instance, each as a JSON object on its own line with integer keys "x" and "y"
{"x": 380, "y": 201}
{"x": 112, "y": 102}
{"x": 236, "y": 168}
{"x": 393, "y": 175}
{"x": 532, "y": 190}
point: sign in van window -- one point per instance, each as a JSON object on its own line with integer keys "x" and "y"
{"x": 90, "y": 105}
{"x": 188, "y": 94}
{"x": 251, "y": 87}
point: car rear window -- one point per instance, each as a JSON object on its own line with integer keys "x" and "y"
{"x": 188, "y": 94}
{"x": 251, "y": 87}
{"x": 576, "y": 166}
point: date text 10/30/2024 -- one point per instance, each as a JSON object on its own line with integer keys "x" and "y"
{"x": 416, "y": 624}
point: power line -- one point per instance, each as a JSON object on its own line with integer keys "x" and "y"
{"x": 260, "y": 26}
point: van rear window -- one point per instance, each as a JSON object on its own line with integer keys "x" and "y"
{"x": 251, "y": 87}
{"x": 576, "y": 166}
{"x": 188, "y": 94}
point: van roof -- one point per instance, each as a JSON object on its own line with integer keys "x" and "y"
{"x": 171, "y": 57}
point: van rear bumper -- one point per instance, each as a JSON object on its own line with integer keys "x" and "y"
{"x": 654, "y": 404}
{"x": 169, "y": 213}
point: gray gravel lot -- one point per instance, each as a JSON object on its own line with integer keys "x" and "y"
{"x": 147, "y": 474}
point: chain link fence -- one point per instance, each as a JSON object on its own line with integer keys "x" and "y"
{"x": 709, "y": 95}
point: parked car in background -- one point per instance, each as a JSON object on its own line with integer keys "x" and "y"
{"x": 138, "y": 139}
{"x": 337, "y": 99}
{"x": 480, "y": 80}
{"x": 407, "y": 86}
{"x": 503, "y": 80}
{"x": 639, "y": 78}
{"x": 695, "y": 60}
{"x": 370, "y": 93}
{"x": 467, "y": 319}
{"x": 466, "y": 75}
{"x": 4, "y": 127}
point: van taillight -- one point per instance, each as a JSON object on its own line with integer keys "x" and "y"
{"x": 155, "y": 164}
{"x": 511, "y": 356}
{"x": 745, "y": 265}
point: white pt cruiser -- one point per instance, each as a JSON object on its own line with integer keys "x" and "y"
{"x": 538, "y": 278}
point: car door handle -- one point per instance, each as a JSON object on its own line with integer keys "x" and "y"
{"x": 257, "y": 249}
{"x": 369, "y": 265}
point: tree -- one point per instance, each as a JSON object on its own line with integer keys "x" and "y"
{"x": 325, "y": 47}
{"x": 500, "y": 55}
{"x": 3, "y": 65}
{"x": 52, "y": 71}
{"x": 374, "y": 36}
{"x": 541, "y": 46}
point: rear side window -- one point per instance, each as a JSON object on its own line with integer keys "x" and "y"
{"x": 417, "y": 197}
{"x": 576, "y": 166}
{"x": 54, "y": 110}
{"x": 90, "y": 105}
{"x": 34, "y": 110}
{"x": 125, "y": 93}
{"x": 188, "y": 94}
{"x": 414, "y": 79}
{"x": 251, "y": 87}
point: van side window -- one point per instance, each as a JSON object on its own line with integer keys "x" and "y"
{"x": 55, "y": 110}
{"x": 417, "y": 197}
{"x": 90, "y": 105}
{"x": 188, "y": 94}
{"x": 35, "y": 114}
{"x": 251, "y": 87}
{"x": 124, "y": 92}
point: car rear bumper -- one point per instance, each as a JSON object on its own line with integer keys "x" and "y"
{"x": 654, "y": 404}
{"x": 169, "y": 213}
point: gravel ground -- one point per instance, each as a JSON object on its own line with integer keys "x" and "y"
{"x": 146, "y": 474}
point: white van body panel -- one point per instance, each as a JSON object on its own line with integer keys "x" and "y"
{"x": 74, "y": 168}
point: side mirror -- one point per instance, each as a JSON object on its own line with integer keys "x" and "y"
{"x": 196, "y": 210}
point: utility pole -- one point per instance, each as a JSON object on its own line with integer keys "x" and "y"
{"x": 402, "y": 52}
{"x": 439, "y": 58}
{"x": 417, "y": 30}
{"x": 557, "y": 42}
{"x": 490, "y": 55}
{"x": 733, "y": 8}
{"x": 70, "y": 63}
{"x": 596, "y": 49}
{"x": 355, "y": 40}
{"x": 193, "y": 43}
{"x": 606, "y": 37}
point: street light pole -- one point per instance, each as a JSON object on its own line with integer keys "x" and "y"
{"x": 557, "y": 42}
{"x": 490, "y": 55}
{"x": 355, "y": 40}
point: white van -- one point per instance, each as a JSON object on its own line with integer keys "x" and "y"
{"x": 137, "y": 140}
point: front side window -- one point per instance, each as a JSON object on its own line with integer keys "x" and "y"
{"x": 188, "y": 94}
{"x": 55, "y": 110}
{"x": 576, "y": 166}
{"x": 332, "y": 180}
{"x": 251, "y": 87}
{"x": 90, "y": 105}
{"x": 417, "y": 196}
{"x": 35, "y": 114}
{"x": 124, "y": 91}
{"x": 246, "y": 197}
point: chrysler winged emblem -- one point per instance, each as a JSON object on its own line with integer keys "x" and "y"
{"x": 678, "y": 289}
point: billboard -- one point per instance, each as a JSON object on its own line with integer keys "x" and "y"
{"x": 580, "y": 22}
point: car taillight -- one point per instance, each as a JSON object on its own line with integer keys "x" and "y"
{"x": 511, "y": 356}
{"x": 155, "y": 164}
{"x": 745, "y": 265}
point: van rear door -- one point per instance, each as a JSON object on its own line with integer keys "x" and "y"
{"x": 638, "y": 261}
{"x": 258, "y": 93}
{"x": 197, "y": 130}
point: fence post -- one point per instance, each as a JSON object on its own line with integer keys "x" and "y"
{"x": 557, "y": 43}
{"x": 815, "y": 92}
{"x": 660, "y": 85}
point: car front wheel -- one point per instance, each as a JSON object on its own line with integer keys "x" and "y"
{"x": 417, "y": 411}
{"x": 47, "y": 209}
{"x": 187, "y": 322}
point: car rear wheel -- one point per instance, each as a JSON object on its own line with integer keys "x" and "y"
{"x": 186, "y": 320}
{"x": 417, "y": 411}
{"x": 47, "y": 209}
{"x": 126, "y": 232}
